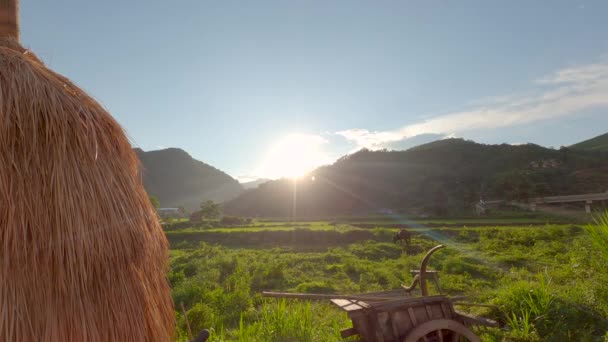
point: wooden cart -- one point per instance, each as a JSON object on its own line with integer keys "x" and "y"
{"x": 397, "y": 316}
{"x": 430, "y": 318}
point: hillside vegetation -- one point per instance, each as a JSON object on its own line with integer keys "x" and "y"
{"x": 177, "y": 179}
{"x": 442, "y": 177}
{"x": 599, "y": 143}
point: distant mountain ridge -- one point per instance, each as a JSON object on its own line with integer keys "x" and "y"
{"x": 177, "y": 179}
{"x": 599, "y": 143}
{"x": 442, "y": 176}
{"x": 254, "y": 184}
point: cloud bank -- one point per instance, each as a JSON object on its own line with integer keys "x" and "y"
{"x": 565, "y": 92}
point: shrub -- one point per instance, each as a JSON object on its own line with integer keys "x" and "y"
{"x": 188, "y": 292}
{"x": 267, "y": 277}
{"x": 233, "y": 221}
{"x": 177, "y": 225}
{"x": 532, "y": 311}
{"x": 376, "y": 251}
{"x": 200, "y": 317}
{"x": 383, "y": 234}
{"x": 316, "y": 287}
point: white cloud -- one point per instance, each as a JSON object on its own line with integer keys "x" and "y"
{"x": 582, "y": 73}
{"x": 369, "y": 139}
{"x": 565, "y": 92}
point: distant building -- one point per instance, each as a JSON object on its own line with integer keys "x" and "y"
{"x": 480, "y": 208}
{"x": 545, "y": 164}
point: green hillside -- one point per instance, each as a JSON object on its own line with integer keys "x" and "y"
{"x": 442, "y": 177}
{"x": 599, "y": 143}
{"x": 177, "y": 179}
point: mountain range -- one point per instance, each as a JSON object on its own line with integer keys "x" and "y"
{"x": 441, "y": 176}
{"x": 254, "y": 184}
{"x": 177, "y": 179}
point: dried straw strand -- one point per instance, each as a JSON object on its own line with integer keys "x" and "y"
{"x": 67, "y": 169}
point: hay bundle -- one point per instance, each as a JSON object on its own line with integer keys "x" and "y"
{"x": 82, "y": 254}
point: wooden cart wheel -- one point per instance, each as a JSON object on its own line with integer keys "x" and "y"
{"x": 441, "y": 330}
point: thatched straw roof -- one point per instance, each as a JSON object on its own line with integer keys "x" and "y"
{"x": 82, "y": 254}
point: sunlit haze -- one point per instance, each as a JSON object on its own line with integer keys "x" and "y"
{"x": 293, "y": 156}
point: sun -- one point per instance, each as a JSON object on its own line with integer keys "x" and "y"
{"x": 293, "y": 155}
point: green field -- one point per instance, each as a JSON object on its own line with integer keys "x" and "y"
{"x": 548, "y": 280}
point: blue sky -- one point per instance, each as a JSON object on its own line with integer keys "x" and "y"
{"x": 230, "y": 82}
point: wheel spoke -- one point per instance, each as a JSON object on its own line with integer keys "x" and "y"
{"x": 441, "y": 330}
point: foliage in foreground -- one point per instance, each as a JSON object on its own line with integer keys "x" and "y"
{"x": 547, "y": 281}
{"x": 599, "y": 233}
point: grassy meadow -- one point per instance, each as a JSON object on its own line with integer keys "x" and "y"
{"x": 547, "y": 280}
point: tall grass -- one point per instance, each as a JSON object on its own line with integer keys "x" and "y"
{"x": 288, "y": 320}
{"x": 599, "y": 233}
{"x": 280, "y": 321}
{"x": 557, "y": 292}
{"x": 521, "y": 325}
{"x": 529, "y": 309}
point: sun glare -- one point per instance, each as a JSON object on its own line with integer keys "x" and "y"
{"x": 293, "y": 156}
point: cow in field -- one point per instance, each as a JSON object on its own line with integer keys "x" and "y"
{"x": 403, "y": 235}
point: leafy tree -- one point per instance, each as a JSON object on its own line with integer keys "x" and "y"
{"x": 440, "y": 200}
{"x": 155, "y": 202}
{"x": 542, "y": 189}
{"x": 210, "y": 210}
{"x": 524, "y": 188}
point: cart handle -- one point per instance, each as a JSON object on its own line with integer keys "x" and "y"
{"x": 319, "y": 296}
{"x": 422, "y": 279}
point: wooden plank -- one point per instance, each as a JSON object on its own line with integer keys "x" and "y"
{"x": 397, "y": 293}
{"x": 407, "y": 302}
{"x": 315, "y": 296}
{"x": 360, "y": 322}
{"x": 475, "y": 304}
{"x": 348, "y": 332}
{"x": 429, "y": 312}
{"x": 350, "y": 305}
{"x": 410, "y": 311}
{"x": 469, "y": 319}
{"x": 445, "y": 311}
{"x": 394, "y": 327}
{"x": 403, "y": 323}
{"x": 374, "y": 327}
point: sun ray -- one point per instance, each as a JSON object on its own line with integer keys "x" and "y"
{"x": 293, "y": 156}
